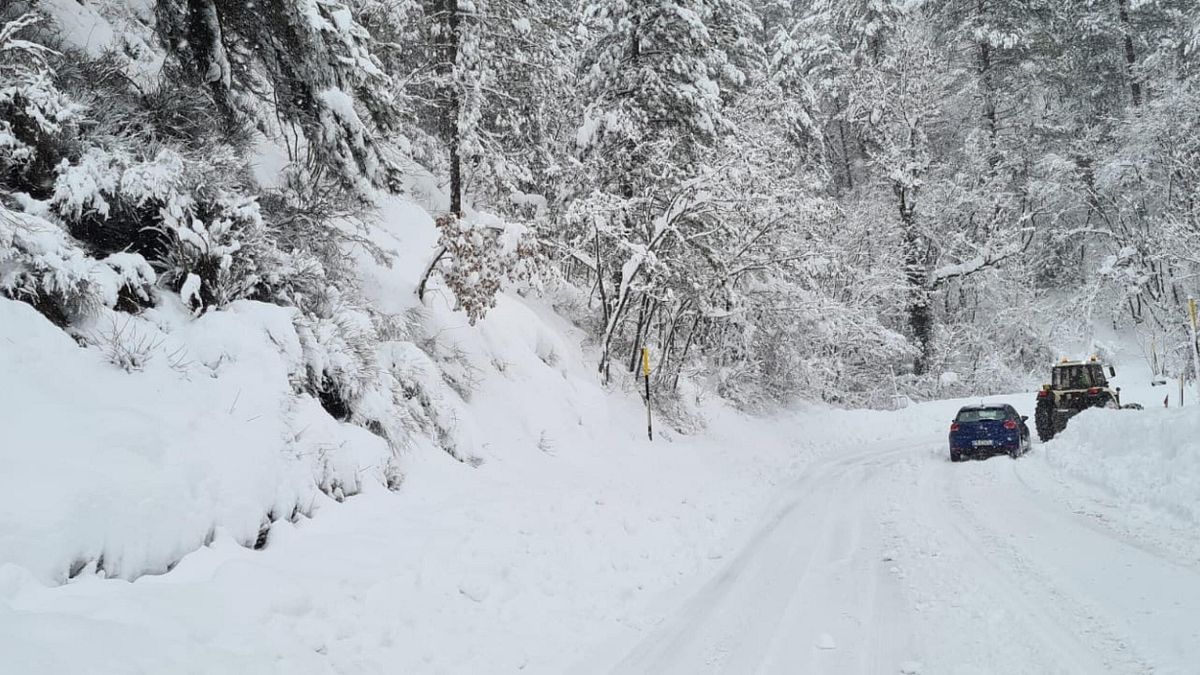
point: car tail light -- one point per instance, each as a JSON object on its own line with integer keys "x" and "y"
{"x": 1093, "y": 391}
{"x": 954, "y": 427}
{"x": 1010, "y": 424}
{"x": 1043, "y": 393}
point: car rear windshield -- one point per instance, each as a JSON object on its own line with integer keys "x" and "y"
{"x": 981, "y": 414}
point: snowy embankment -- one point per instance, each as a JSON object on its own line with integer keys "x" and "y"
{"x": 1142, "y": 458}
{"x": 125, "y": 472}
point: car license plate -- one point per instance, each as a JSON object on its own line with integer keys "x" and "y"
{"x": 982, "y": 444}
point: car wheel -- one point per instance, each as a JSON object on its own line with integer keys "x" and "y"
{"x": 955, "y": 456}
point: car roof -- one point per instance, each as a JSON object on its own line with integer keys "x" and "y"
{"x": 985, "y": 406}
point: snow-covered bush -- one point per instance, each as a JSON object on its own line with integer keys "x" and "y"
{"x": 339, "y": 357}
{"x": 41, "y": 265}
{"x": 131, "y": 286}
{"x": 384, "y": 382}
{"x": 216, "y": 259}
{"x": 33, "y": 111}
{"x": 426, "y": 401}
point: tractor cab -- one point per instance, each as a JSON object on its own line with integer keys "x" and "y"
{"x": 1068, "y": 375}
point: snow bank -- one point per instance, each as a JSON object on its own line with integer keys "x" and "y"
{"x": 125, "y": 471}
{"x": 1143, "y": 458}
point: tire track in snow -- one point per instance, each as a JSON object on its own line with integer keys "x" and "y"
{"x": 1045, "y": 603}
{"x": 1114, "y": 586}
{"x": 907, "y": 560}
{"x": 756, "y": 609}
{"x": 972, "y": 615}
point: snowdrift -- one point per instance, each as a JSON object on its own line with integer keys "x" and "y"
{"x": 126, "y": 472}
{"x": 1143, "y": 458}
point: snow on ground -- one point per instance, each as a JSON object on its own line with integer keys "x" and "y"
{"x": 813, "y": 541}
{"x": 818, "y": 541}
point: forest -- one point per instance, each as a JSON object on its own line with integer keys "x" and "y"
{"x": 834, "y": 200}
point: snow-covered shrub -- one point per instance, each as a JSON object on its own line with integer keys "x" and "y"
{"x": 423, "y": 396}
{"x": 33, "y": 111}
{"x": 339, "y": 357}
{"x": 481, "y": 255}
{"x": 125, "y": 345}
{"x": 41, "y": 265}
{"x": 454, "y": 364}
{"x": 132, "y": 283}
{"x": 211, "y": 244}
{"x": 820, "y": 350}
{"x": 312, "y": 221}
{"x": 215, "y": 254}
{"x": 390, "y": 387}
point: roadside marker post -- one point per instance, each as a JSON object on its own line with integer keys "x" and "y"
{"x": 1195, "y": 348}
{"x": 646, "y": 374}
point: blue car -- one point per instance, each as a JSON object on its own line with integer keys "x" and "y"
{"x": 986, "y": 430}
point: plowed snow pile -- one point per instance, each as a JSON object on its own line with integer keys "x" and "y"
{"x": 1149, "y": 457}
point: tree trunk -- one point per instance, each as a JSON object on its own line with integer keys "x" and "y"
{"x": 841, "y": 124}
{"x": 988, "y": 91}
{"x": 635, "y": 350}
{"x": 1135, "y": 87}
{"x": 687, "y": 345}
{"x": 450, "y": 105}
{"x": 919, "y": 307}
{"x": 455, "y": 178}
{"x": 208, "y": 45}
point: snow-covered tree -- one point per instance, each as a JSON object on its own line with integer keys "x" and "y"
{"x": 658, "y": 76}
{"x": 293, "y": 66}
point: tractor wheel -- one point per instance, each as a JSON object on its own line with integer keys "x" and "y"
{"x": 1043, "y": 419}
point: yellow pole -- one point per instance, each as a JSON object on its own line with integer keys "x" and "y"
{"x": 646, "y": 374}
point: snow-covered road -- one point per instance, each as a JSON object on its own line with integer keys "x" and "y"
{"x": 892, "y": 559}
{"x": 822, "y": 542}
